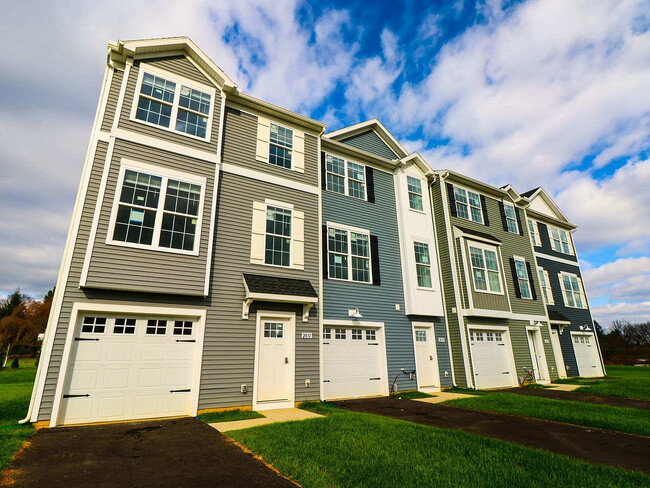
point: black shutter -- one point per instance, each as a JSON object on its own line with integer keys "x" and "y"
{"x": 374, "y": 260}
{"x": 325, "y": 264}
{"x": 452, "y": 200}
{"x": 486, "y": 220}
{"x": 504, "y": 221}
{"x": 515, "y": 279}
{"x": 323, "y": 171}
{"x": 370, "y": 184}
{"x": 521, "y": 228}
{"x": 532, "y": 281}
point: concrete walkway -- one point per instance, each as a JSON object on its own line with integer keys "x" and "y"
{"x": 443, "y": 396}
{"x": 270, "y": 417}
{"x": 565, "y": 387}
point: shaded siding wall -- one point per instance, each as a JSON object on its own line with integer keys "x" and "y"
{"x": 112, "y": 99}
{"x": 376, "y": 303}
{"x": 371, "y": 142}
{"x": 544, "y": 234}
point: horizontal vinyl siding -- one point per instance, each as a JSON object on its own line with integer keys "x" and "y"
{"x": 371, "y": 142}
{"x": 123, "y": 268}
{"x": 376, "y": 303}
{"x": 111, "y": 101}
{"x": 442, "y": 350}
{"x": 544, "y": 235}
{"x": 240, "y": 147}
{"x": 179, "y": 65}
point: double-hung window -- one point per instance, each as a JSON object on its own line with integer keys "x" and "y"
{"x": 345, "y": 177}
{"x": 572, "y": 291}
{"x": 560, "y": 241}
{"x": 468, "y": 205}
{"x": 158, "y": 210}
{"x": 485, "y": 269}
{"x": 545, "y": 284}
{"x": 278, "y": 236}
{"x": 423, "y": 264}
{"x": 348, "y": 255}
{"x": 522, "y": 278}
{"x": 173, "y": 105}
{"x": 534, "y": 231}
{"x": 511, "y": 218}
{"x": 415, "y": 193}
{"x": 281, "y": 145}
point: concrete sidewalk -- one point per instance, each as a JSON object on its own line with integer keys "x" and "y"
{"x": 564, "y": 387}
{"x": 443, "y": 396}
{"x": 270, "y": 417}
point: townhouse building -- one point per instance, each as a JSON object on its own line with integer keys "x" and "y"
{"x": 575, "y": 343}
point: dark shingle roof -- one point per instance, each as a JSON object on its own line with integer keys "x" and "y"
{"x": 529, "y": 192}
{"x": 556, "y": 316}
{"x": 478, "y": 234}
{"x": 279, "y": 286}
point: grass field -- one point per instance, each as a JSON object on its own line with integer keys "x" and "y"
{"x": 15, "y": 391}
{"x": 229, "y": 416}
{"x": 352, "y": 449}
{"x": 631, "y": 420}
{"x": 622, "y": 381}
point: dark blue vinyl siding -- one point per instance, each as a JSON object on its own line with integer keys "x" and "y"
{"x": 371, "y": 142}
{"x": 546, "y": 248}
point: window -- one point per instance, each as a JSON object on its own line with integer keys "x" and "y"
{"x": 124, "y": 326}
{"x": 327, "y": 333}
{"x": 274, "y": 329}
{"x": 357, "y": 334}
{"x": 162, "y": 103}
{"x": 511, "y": 218}
{"x": 423, "y": 264}
{"x": 545, "y": 284}
{"x": 498, "y": 336}
{"x": 534, "y": 231}
{"x": 485, "y": 269}
{"x": 281, "y": 143}
{"x": 468, "y": 205}
{"x": 345, "y": 177}
{"x": 415, "y": 193}
{"x": 522, "y": 278}
{"x": 93, "y": 325}
{"x": 476, "y": 336}
{"x": 182, "y": 327}
{"x": 371, "y": 335}
{"x": 489, "y": 336}
{"x": 143, "y": 219}
{"x": 420, "y": 336}
{"x": 349, "y": 255}
{"x": 278, "y": 236}
{"x": 339, "y": 334}
{"x": 156, "y": 327}
{"x": 572, "y": 291}
{"x": 560, "y": 241}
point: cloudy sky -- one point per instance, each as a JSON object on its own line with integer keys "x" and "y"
{"x": 538, "y": 92}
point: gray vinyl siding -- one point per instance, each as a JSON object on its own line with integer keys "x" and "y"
{"x": 577, "y": 316}
{"x": 240, "y": 147}
{"x": 371, "y": 142}
{"x": 483, "y": 301}
{"x": 544, "y": 235}
{"x": 376, "y": 303}
{"x": 163, "y": 134}
{"x": 124, "y": 268}
{"x": 111, "y": 100}
{"x": 179, "y": 65}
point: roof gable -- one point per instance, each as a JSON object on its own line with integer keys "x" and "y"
{"x": 371, "y": 136}
{"x": 371, "y": 142}
{"x": 541, "y": 202}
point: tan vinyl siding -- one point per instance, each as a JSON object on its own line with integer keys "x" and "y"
{"x": 123, "y": 268}
{"x": 239, "y": 148}
{"x": 111, "y": 101}
{"x": 181, "y": 66}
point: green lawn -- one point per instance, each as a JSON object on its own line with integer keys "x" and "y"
{"x": 347, "y": 449}
{"x": 622, "y": 381}
{"x": 229, "y": 416}
{"x": 631, "y": 420}
{"x": 412, "y": 395}
{"x": 15, "y": 391}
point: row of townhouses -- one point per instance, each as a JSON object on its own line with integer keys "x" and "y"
{"x": 225, "y": 252}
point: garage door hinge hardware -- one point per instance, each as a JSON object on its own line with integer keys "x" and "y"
{"x": 326, "y": 381}
{"x": 180, "y": 391}
{"x": 375, "y": 378}
{"x": 85, "y": 339}
{"x": 373, "y": 343}
{"x": 185, "y": 340}
{"x": 75, "y": 396}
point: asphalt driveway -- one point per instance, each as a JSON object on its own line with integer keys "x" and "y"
{"x": 170, "y": 453}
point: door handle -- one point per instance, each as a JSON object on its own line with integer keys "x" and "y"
{"x": 286, "y": 360}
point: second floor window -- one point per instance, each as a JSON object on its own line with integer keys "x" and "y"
{"x": 485, "y": 269}
{"x": 345, "y": 177}
{"x": 522, "y": 278}
{"x": 278, "y": 236}
{"x": 545, "y": 284}
{"x": 281, "y": 144}
{"x": 572, "y": 291}
{"x": 468, "y": 205}
{"x": 423, "y": 264}
{"x": 560, "y": 241}
{"x": 511, "y": 218}
{"x": 348, "y": 255}
{"x": 534, "y": 232}
{"x": 415, "y": 193}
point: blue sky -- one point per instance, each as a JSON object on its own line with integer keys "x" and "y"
{"x": 538, "y": 92}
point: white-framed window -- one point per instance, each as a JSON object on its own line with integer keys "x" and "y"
{"x": 277, "y": 250}
{"x": 327, "y": 333}
{"x": 174, "y": 104}
{"x": 468, "y": 205}
{"x": 423, "y": 264}
{"x": 156, "y": 327}
{"x": 534, "y": 232}
{"x": 183, "y": 327}
{"x": 572, "y": 290}
{"x": 545, "y": 284}
{"x": 156, "y": 208}
{"x": 339, "y": 334}
{"x": 124, "y": 326}
{"x": 348, "y": 255}
{"x": 345, "y": 177}
{"x": 522, "y": 277}
{"x": 511, "y": 218}
{"x": 486, "y": 273}
{"x": 560, "y": 241}
{"x": 357, "y": 334}
{"x": 498, "y": 336}
{"x": 93, "y": 325}
{"x": 415, "y": 193}
{"x": 371, "y": 335}
{"x": 476, "y": 336}
{"x": 274, "y": 330}
{"x": 420, "y": 335}
{"x": 489, "y": 336}
{"x": 280, "y": 146}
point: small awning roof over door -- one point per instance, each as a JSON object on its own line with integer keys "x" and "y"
{"x": 282, "y": 290}
{"x": 557, "y": 317}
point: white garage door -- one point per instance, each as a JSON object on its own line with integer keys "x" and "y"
{"x": 352, "y": 363}
{"x": 586, "y": 355}
{"x": 126, "y": 367}
{"x": 491, "y": 358}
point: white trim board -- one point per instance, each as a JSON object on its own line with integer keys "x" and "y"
{"x": 268, "y": 178}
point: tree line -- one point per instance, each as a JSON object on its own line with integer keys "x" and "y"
{"x": 625, "y": 342}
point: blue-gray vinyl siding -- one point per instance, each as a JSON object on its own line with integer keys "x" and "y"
{"x": 544, "y": 235}
{"x": 577, "y": 316}
{"x": 375, "y": 302}
{"x": 371, "y": 142}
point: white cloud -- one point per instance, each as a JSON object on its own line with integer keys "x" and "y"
{"x": 632, "y": 312}
{"x": 626, "y": 279}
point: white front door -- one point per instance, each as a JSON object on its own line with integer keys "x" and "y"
{"x": 557, "y": 352}
{"x": 492, "y": 358}
{"x": 537, "y": 354}
{"x": 586, "y": 351}
{"x": 275, "y": 364}
{"x": 426, "y": 361}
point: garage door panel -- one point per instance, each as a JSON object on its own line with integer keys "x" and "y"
{"x": 83, "y": 380}
{"x": 491, "y": 358}
{"x": 116, "y": 378}
{"x": 153, "y": 352}
{"x": 586, "y": 355}
{"x": 150, "y": 377}
{"x": 145, "y": 405}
